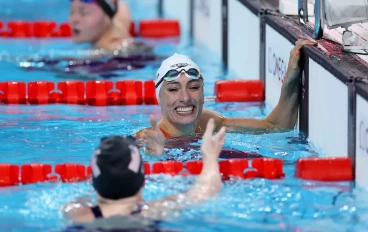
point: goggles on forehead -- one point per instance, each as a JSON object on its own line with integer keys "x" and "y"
{"x": 174, "y": 74}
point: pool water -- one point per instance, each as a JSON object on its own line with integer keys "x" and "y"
{"x": 68, "y": 133}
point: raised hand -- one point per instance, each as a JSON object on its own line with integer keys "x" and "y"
{"x": 212, "y": 144}
{"x": 293, "y": 66}
{"x": 154, "y": 139}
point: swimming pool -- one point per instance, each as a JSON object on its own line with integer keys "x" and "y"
{"x": 67, "y": 133}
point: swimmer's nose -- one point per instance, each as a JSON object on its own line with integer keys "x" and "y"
{"x": 184, "y": 96}
{"x": 74, "y": 19}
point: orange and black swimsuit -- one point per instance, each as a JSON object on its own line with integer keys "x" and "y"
{"x": 167, "y": 135}
{"x": 187, "y": 144}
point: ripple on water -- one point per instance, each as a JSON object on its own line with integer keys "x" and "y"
{"x": 251, "y": 204}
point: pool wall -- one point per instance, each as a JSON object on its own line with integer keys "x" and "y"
{"x": 255, "y": 42}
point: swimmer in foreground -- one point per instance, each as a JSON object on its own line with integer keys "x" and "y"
{"x": 179, "y": 90}
{"x": 118, "y": 179}
{"x": 104, "y": 23}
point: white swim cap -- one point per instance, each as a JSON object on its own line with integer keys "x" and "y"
{"x": 179, "y": 63}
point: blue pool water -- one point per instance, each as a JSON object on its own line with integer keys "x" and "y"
{"x": 59, "y": 133}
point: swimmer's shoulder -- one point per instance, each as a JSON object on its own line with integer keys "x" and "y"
{"x": 80, "y": 214}
{"x": 205, "y": 116}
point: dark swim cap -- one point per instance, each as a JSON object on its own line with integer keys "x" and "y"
{"x": 110, "y": 7}
{"x": 117, "y": 168}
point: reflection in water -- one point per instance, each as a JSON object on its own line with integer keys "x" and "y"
{"x": 96, "y": 64}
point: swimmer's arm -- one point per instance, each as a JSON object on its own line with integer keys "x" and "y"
{"x": 284, "y": 115}
{"x": 78, "y": 213}
{"x": 207, "y": 184}
{"x": 235, "y": 125}
{"x": 123, "y": 15}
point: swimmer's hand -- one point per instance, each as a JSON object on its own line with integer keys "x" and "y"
{"x": 293, "y": 67}
{"x": 154, "y": 139}
{"x": 212, "y": 144}
{"x": 209, "y": 181}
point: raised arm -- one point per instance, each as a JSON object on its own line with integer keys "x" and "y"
{"x": 207, "y": 184}
{"x": 283, "y": 116}
{"x": 209, "y": 181}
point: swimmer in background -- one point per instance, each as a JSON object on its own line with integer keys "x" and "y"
{"x": 180, "y": 93}
{"x": 104, "y": 23}
{"x": 118, "y": 179}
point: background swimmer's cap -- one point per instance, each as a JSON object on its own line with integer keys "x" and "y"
{"x": 117, "y": 168}
{"x": 110, "y": 7}
{"x": 176, "y": 61}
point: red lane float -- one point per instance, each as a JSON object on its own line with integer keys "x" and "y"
{"x": 13, "y": 92}
{"x": 19, "y": 29}
{"x": 43, "y": 29}
{"x": 324, "y": 169}
{"x": 194, "y": 167}
{"x": 268, "y": 168}
{"x": 233, "y": 167}
{"x": 132, "y": 29}
{"x": 131, "y": 92}
{"x": 147, "y": 168}
{"x": 159, "y": 28}
{"x": 9, "y": 175}
{"x": 150, "y": 93}
{"x": 102, "y": 93}
{"x": 97, "y": 91}
{"x": 39, "y": 92}
{"x": 34, "y": 173}
{"x": 239, "y": 91}
{"x": 50, "y": 29}
{"x": 72, "y": 92}
{"x": 71, "y": 172}
{"x": 167, "y": 167}
{"x": 38, "y": 29}
{"x": 64, "y": 31}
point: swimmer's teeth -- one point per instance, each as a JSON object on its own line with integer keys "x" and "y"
{"x": 184, "y": 109}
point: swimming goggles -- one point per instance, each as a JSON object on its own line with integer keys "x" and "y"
{"x": 174, "y": 74}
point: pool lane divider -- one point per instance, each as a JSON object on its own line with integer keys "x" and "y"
{"x": 12, "y": 175}
{"x": 150, "y": 28}
{"x": 315, "y": 169}
{"x": 108, "y": 93}
{"x": 325, "y": 169}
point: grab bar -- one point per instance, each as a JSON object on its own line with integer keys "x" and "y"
{"x": 318, "y": 14}
{"x": 303, "y": 11}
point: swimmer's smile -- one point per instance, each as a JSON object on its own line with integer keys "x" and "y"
{"x": 185, "y": 110}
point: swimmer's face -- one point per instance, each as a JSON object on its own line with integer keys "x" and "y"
{"x": 181, "y": 100}
{"x": 88, "y": 21}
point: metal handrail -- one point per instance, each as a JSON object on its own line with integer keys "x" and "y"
{"x": 318, "y": 14}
